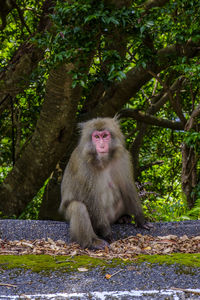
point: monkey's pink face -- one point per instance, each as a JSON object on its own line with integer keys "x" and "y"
{"x": 101, "y": 140}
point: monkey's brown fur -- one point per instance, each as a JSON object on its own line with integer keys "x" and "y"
{"x": 97, "y": 191}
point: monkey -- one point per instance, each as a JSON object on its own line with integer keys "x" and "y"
{"x": 97, "y": 186}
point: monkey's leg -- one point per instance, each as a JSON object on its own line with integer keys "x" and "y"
{"x": 104, "y": 231}
{"x": 81, "y": 230}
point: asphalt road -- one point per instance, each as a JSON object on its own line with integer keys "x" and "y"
{"x": 36, "y": 229}
{"x": 134, "y": 281}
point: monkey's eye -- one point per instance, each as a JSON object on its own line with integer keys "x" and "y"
{"x": 96, "y": 136}
{"x": 105, "y": 135}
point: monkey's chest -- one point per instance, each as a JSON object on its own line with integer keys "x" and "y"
{"x": 110, "y": 199}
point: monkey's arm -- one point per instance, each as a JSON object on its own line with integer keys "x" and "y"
{"x": 134, "y": 207}
{"x": 100, "y": 223}
{"x": 129, "y": 192}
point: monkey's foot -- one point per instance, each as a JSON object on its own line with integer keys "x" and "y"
{"x": 99, "y": 244}
{"x": 146, "y": 226}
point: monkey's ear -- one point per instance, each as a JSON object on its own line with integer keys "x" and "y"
{"x": 80, "y": 126}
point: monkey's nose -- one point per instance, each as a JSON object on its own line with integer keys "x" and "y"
{"x": 102, "y": 144}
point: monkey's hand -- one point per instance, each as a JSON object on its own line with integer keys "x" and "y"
{"x": 99, "y": 244}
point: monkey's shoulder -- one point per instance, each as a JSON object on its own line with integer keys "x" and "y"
{"x": 74, "y": 162}
{"x": 76, "y": 168}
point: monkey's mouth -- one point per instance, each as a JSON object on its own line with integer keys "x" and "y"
{"x": 103, "y": 152}
{"x": 103, "y": 155}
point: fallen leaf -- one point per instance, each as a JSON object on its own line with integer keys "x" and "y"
{"x": 108, "y": 276}
{"x": 167, "y": 250}
{"x": 147, "y": 248}
{"x": 184, "y": 238}
{"x": 82, "y": 269}
{"x": 126, "y": 249}
{"x": 168, "y": 237}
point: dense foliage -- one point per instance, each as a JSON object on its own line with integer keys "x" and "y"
{"x": 138, "y": 59}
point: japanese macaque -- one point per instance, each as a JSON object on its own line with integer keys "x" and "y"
{"x": 98, "y": 187}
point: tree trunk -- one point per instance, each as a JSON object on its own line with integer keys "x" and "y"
{"x": 189, "y": 173}
{"x": 52, "y": 195}
{"x": 52, "y": 133}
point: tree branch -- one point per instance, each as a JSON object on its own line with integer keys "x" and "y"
{"x": 120, "y": 44}
{"x": 119, "y": 93}
{"x": 15, "y": 78}
{"x": 151, "y": 164}
{"x": 149, "y": 119}
{"x": 190, "y": 122}
{"x": 175, "y": 101}
{"x": 157, "y": 102}
{"x": 154, "y": 3}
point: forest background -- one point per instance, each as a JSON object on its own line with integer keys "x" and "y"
{"x": 64, "y": 62}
